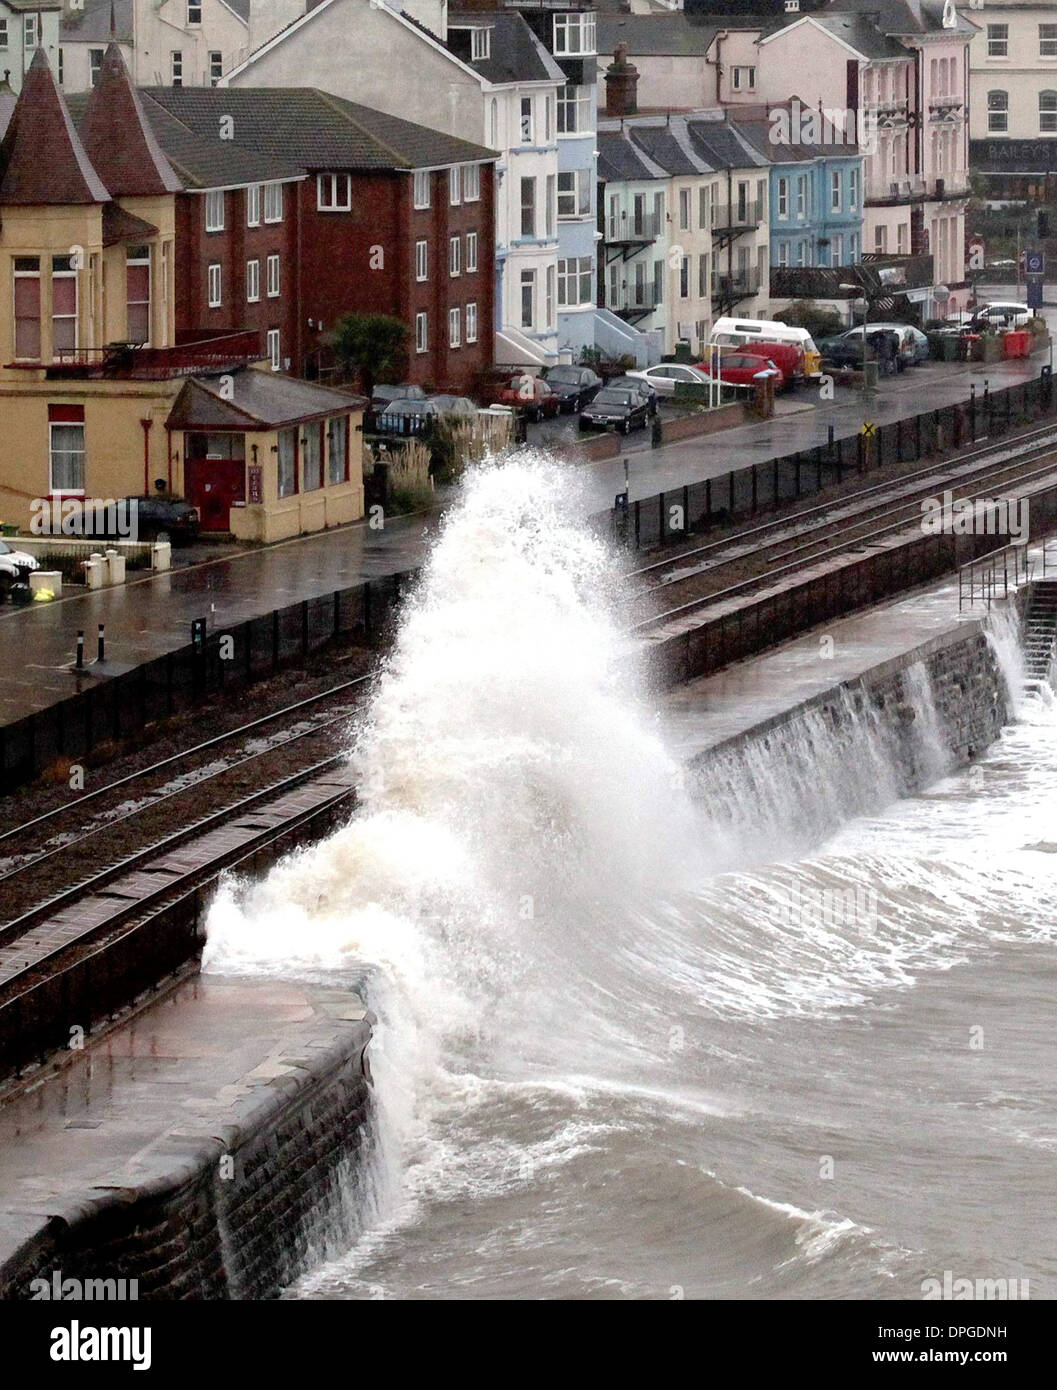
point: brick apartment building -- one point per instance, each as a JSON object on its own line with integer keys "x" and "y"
{"x": 363, "y": 212}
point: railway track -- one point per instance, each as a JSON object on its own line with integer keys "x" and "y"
{"x": 106, "y": 900}
{"x": 137, "y": 814}
{"x": 760, "y": 554}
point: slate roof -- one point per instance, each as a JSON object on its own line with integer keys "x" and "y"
{"x": 908, "y": 17}
{"x": 199, "y": 161}
{"x": 118, "y": 138}
{"x": 719, "y": 143}
{"x": 91, "y": 24}
{"x": 257, "y": 400}
{"x": 42, "y": 159}
{"x": 314, "y": 130}
{"x": 859, "y": 31}
{"x": 516, "y": 54}
{"x": 619, "y": 161}
{"x": 754, "y": 123}
{"x": 120, "y": 225}
{"x": 664, "y": 35}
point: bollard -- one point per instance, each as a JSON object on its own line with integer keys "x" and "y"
{"x": 80, "y": 651}
{"x": 100, "y": 647}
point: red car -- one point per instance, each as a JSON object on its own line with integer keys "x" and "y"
{"x": 742, "y": 368}
{"x": 532, "y": 395}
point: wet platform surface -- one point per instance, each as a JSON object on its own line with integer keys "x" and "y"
{"x": 176, "y": 1074}
{"x": 711, "y": 709}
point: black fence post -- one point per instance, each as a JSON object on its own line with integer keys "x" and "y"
{"x": 304, "y": 628}
{"x": 275, "y": 639}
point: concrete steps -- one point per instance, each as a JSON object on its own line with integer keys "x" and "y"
{"x": 1040, "y": 632}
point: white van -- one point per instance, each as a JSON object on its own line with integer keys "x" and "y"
{"x": 730, "y": 332}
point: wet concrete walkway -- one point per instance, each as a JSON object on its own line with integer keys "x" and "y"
{"x": 707, "y": 711}
{"x": 136, "y": 1106}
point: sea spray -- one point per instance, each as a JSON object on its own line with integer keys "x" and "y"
{"x": 535, "y": 906}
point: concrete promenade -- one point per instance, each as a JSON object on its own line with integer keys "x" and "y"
{"x": 148, "y": 617}
{"x": 156, "y": 1099}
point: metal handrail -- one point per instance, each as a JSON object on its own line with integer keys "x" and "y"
{"x": 998, "y": 572}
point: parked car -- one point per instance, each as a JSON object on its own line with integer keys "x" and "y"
{"x": 743, "y": 369}
{"x": 845, "y": 350}
{"x": 1005, "y": 313}
{"x": 532, "y": 395}
{"x": 620, "y": 408}
{"x": 160, "y": 513}
{"x": 640, "y": 387}
{"x": 913, "y": 346}
{"x": 386, "y": 391}
{"x": 15, "y": 567}
{"x": 446, "y": 404}
{"x": 574, "y": 386}
{"x": 788, "y": 357}
{"x": 667, "y": 375}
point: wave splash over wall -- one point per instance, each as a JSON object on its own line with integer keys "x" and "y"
{"x": 545, "y": 915}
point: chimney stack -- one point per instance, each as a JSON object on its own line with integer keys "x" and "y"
{"x": 622, "y": 84}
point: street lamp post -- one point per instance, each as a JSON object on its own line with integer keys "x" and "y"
{"x": 862, "y": 299}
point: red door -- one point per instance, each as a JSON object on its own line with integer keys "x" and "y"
{"x": 213, "y": 484}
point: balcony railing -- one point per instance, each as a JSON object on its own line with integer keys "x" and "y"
{"x": 197, "y": 353}
{"x": 728, "y": 289}
{"x": 737, "y": 215}
{"x": 634, "y": 227}
{"x": 635, "y": 303}
{"x": 877, "y": 276}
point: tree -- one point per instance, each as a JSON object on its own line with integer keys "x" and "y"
{"x": 805, "y": 313}
{"x": 372, "y": 345}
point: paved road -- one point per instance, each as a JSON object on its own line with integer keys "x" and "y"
{"x": 148, "y": 617}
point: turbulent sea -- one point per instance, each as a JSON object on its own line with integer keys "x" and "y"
{"x": 637, "y": 1044}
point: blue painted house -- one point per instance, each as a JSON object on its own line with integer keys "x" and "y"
{"x": 816, "y": 185}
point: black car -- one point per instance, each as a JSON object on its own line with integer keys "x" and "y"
{"x": 639, "y": 385}
{"x": 574, "y": 386}
{"x": 155, "y": 515}
{"x": 618, "y": 408}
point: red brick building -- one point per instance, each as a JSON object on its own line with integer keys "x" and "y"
{"x": 377, "y": 215}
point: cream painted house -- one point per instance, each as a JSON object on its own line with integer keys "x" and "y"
{"x": 179, "y": 43}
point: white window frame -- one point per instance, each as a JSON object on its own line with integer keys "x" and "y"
{"x": 176, "y": 67}
{"x": 421, "y": 261}
{"x": 471, "y": 321}
{"x": 253, "y": 282}
{"x": 273, "y": 202}
{"x": 95, "y": 64}
{"x": 29, "y": 32}
{"x": 834, "y": 190}
{"x": 998, "y": 40}
{"x": 580, "y": 194}
{"x": 471, "y": 252}
{"x": 420, "y": 189}
{"x": 998, "y": 116}
{"x": 740, "y": 84}
{"x": 801, "y": 195}
{"x": 1048, "y": 38}
{"x": 196, "y": 6}
{"x": 574, "y": 35}
{"x": 215, "y": 59}
{"x": 455, "y": 185}
{"x": 421, "y": 333}
{"x": 215, "y": 282}
{"x": 274, "y": 350}
{"x": 574, "y": 110}
{"x": 471, "y": 183}
{"x": 4, "y": 40}
{"x": 329, "y": 196}
{"x": 455, "y": 328}
{"x": 454, "y": 256}
{"x": 1048, "y": 115}
{"x": 480, "y": 44}
{"x": 214, "y": 200}
{"x": 253, "y": 205}
{"x": 273, "y": 273}
{"x": 54, "y": 491}
{"x": 853, "y": 190}
{"x": 783, "y": 198}
{"x": 67, "y": 274}
{"x": 527, "y": 125}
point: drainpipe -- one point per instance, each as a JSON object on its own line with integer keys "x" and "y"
{"x": 717, "y": 61}
{"x": 146, "y": 456}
